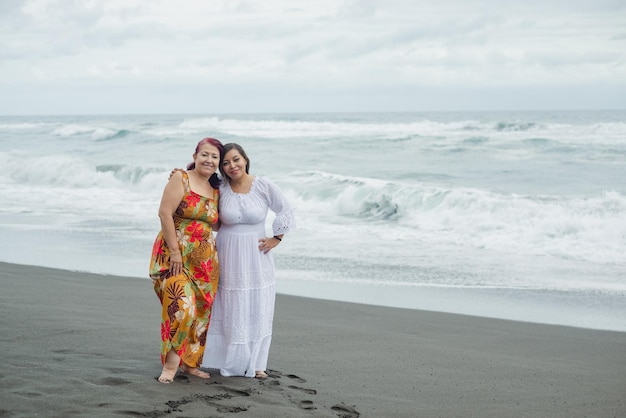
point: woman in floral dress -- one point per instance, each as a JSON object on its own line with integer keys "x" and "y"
{"x": 184, "y": 266}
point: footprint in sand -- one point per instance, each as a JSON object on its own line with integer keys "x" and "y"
{"x": 345, "y": 411}
{"x": 271, "y": 383}
{"x": 308, "y": 405}
{"x": 212, "y": 400}
{"x": 342, "y": 410}
{"x": 296, "y": 378}
{"x": 309, "y": 391}
{"x": 272, "y": 379}
{"x": 274, "y": 373}
{"x": 181, "y": 378}
{"x": 277, "y": 374}
{"x": 238, "y": 392}
{"x": 114, "y": 381}
{"x": 230, "y": 409}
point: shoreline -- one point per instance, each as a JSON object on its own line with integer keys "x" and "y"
{"x": 81, "y": 344}
{"x": 535, "y": 306}
{"x": 595, "y": 311}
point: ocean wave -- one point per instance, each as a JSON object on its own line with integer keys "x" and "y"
{"x": 420, "y": 129}
{"x": 583, "y": 228}
{"x": 524, "y": 138}
{"x": 129, "y": 174}
{"x": 475, "y": 140}
{"x": 516, "y": 126}
{"x": 75, "y": 172}
{"x": 447, "y": 195}
{"x": 106, "y": 134}
{"x": 96, "y": 133}
{"x": 281, "y": 128}
{"x": 537, "y": 142}
{"x": 22, "y": 126}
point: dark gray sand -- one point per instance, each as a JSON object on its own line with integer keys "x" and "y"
{"x": 81, "y": 344}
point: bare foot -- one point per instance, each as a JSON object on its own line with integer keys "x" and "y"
{"x": 167, "y": 375}
{"x": 260, "y": 374}
{"x": 170, "y": 367}
{"x": 195, "y": 371}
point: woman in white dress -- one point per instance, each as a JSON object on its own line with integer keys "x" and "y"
{"x": 240, "y": 331}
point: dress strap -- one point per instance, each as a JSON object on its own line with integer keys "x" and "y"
{"x": 186, "y": 185}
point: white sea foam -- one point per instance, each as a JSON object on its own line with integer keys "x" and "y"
{"x": 513, "y": 203}
{"x": 589, "y": 228}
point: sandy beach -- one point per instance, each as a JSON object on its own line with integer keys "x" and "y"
{"x": 81, "y": 344}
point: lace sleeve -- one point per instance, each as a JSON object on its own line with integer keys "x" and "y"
{"x": 285, "y": 220}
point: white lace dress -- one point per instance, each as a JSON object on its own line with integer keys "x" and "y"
{"x": 240, "y": 331}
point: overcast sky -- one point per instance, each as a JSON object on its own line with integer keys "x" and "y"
{"x": 213, "y": 56}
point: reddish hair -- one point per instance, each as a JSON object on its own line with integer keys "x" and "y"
{"x": 214, "y": 180}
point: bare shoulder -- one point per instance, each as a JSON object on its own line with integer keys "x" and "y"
{"x": 176, "y": 174}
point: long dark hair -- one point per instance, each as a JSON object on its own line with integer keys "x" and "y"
{"x": 231, "y": 146}
{"x": 214, "y": 180}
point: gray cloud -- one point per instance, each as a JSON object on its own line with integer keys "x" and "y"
{"x": 352, "y": 47}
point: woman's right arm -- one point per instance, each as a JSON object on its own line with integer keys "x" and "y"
{"x": 172, "y": 195}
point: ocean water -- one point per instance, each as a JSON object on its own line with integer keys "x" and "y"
{"x": 518, "y": 215}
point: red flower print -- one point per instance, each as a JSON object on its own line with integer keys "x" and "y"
{"x": 165, "y": 330}
{"x": 195, "y": 230}
{"x": 204, "y": 270}
{"x": 192, "y": 199}
{"x": 157, "y": 248}
{"x": 183, "y": 350}
{"x": 208, "y": 298}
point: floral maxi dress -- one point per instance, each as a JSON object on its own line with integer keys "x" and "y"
{"x": 187, "y": 298}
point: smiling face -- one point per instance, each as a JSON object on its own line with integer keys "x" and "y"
{"x": 207, "y": 159}
{"x": 234, "y": 165}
